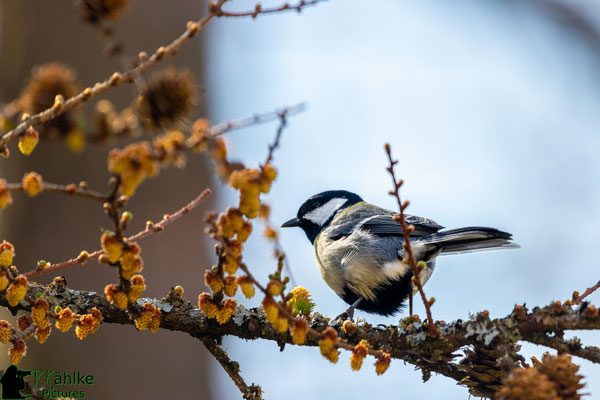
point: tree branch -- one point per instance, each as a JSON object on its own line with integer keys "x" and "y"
{"x": 232, "y": 368}
{"x": 408, "y": 341}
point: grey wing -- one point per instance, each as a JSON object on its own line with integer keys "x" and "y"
{"x": 384, "y": 225}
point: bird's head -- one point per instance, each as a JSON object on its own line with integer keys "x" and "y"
{"x": 318, "y": 211}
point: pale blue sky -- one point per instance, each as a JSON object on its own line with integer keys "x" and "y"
{"x": 493, "y": 113}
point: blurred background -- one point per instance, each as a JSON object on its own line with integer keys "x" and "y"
{"x": 490, "y": 106}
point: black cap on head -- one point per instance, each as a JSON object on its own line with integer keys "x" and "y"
{"x": 318, "y": 211}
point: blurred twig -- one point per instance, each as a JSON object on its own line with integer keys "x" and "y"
{"x": 129, "y": 75}
{"x": 150, "y": 229}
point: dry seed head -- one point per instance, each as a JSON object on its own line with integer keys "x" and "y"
{"x": 563, "y": 373}
{"x": 167, "y": 98}
{"x": 527, "y": 384}
{"x": 94, "y": 11}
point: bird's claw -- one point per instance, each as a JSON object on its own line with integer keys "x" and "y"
{"x": 346, "y": 315}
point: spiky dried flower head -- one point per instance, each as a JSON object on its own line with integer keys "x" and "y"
{"x": 299, "y": 330}
{"x": 563, "y": 373}
{"x": 5, "y": 331}
{"x": 28, "y": 141}
{"x": 7, "y": 253}
{"x": 301, "y": 302}
{"x": 17, "y": 290}
{"x": 166, "y": 98}
{"x": 94, "y": 11}
{"x": 527, "y": 384}
{"x": 65, "y": 319}
{"x": 5, "y": 196}
{"x": 39, "y": 312}
{"x": 33, "y": 184}
{"x": 382, "y": 363}
{"x": 17, "y": 350}
{"x": 359, "y": 353}
{"x": 47, "y": 81}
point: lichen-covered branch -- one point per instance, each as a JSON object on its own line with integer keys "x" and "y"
{"x": 408, "y": 341}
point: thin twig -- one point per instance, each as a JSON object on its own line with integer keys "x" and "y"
{"x": 70, "y": 189}
{"x": 275, "y": 144}
{"x": 578, "y": 298}
{"x": 129, "y": 75}
{"x": 256, "y": 119}
{"x": 259, "y": 10}
{"x": 150, "y": 229}
{"x": 406, "y": 231}
{"x": 252, "y": 392}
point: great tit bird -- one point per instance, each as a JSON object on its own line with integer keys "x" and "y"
{"x": 358, "y": 247}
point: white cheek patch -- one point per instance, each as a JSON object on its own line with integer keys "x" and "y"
{"x": 320, "y": 215}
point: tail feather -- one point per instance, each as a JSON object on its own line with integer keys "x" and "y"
{"x": 470, "y": 239}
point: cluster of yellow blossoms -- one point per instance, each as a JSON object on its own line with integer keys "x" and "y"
{"x": 221, "y": 312}
{"x": 149, "y": 318}
{"x": 17, "y": 289}
{"x": 251, "y": 183}
{"x": 127, "y": 255}
{"x": 88, "y": 323}
{"x": 133, "y": 164}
